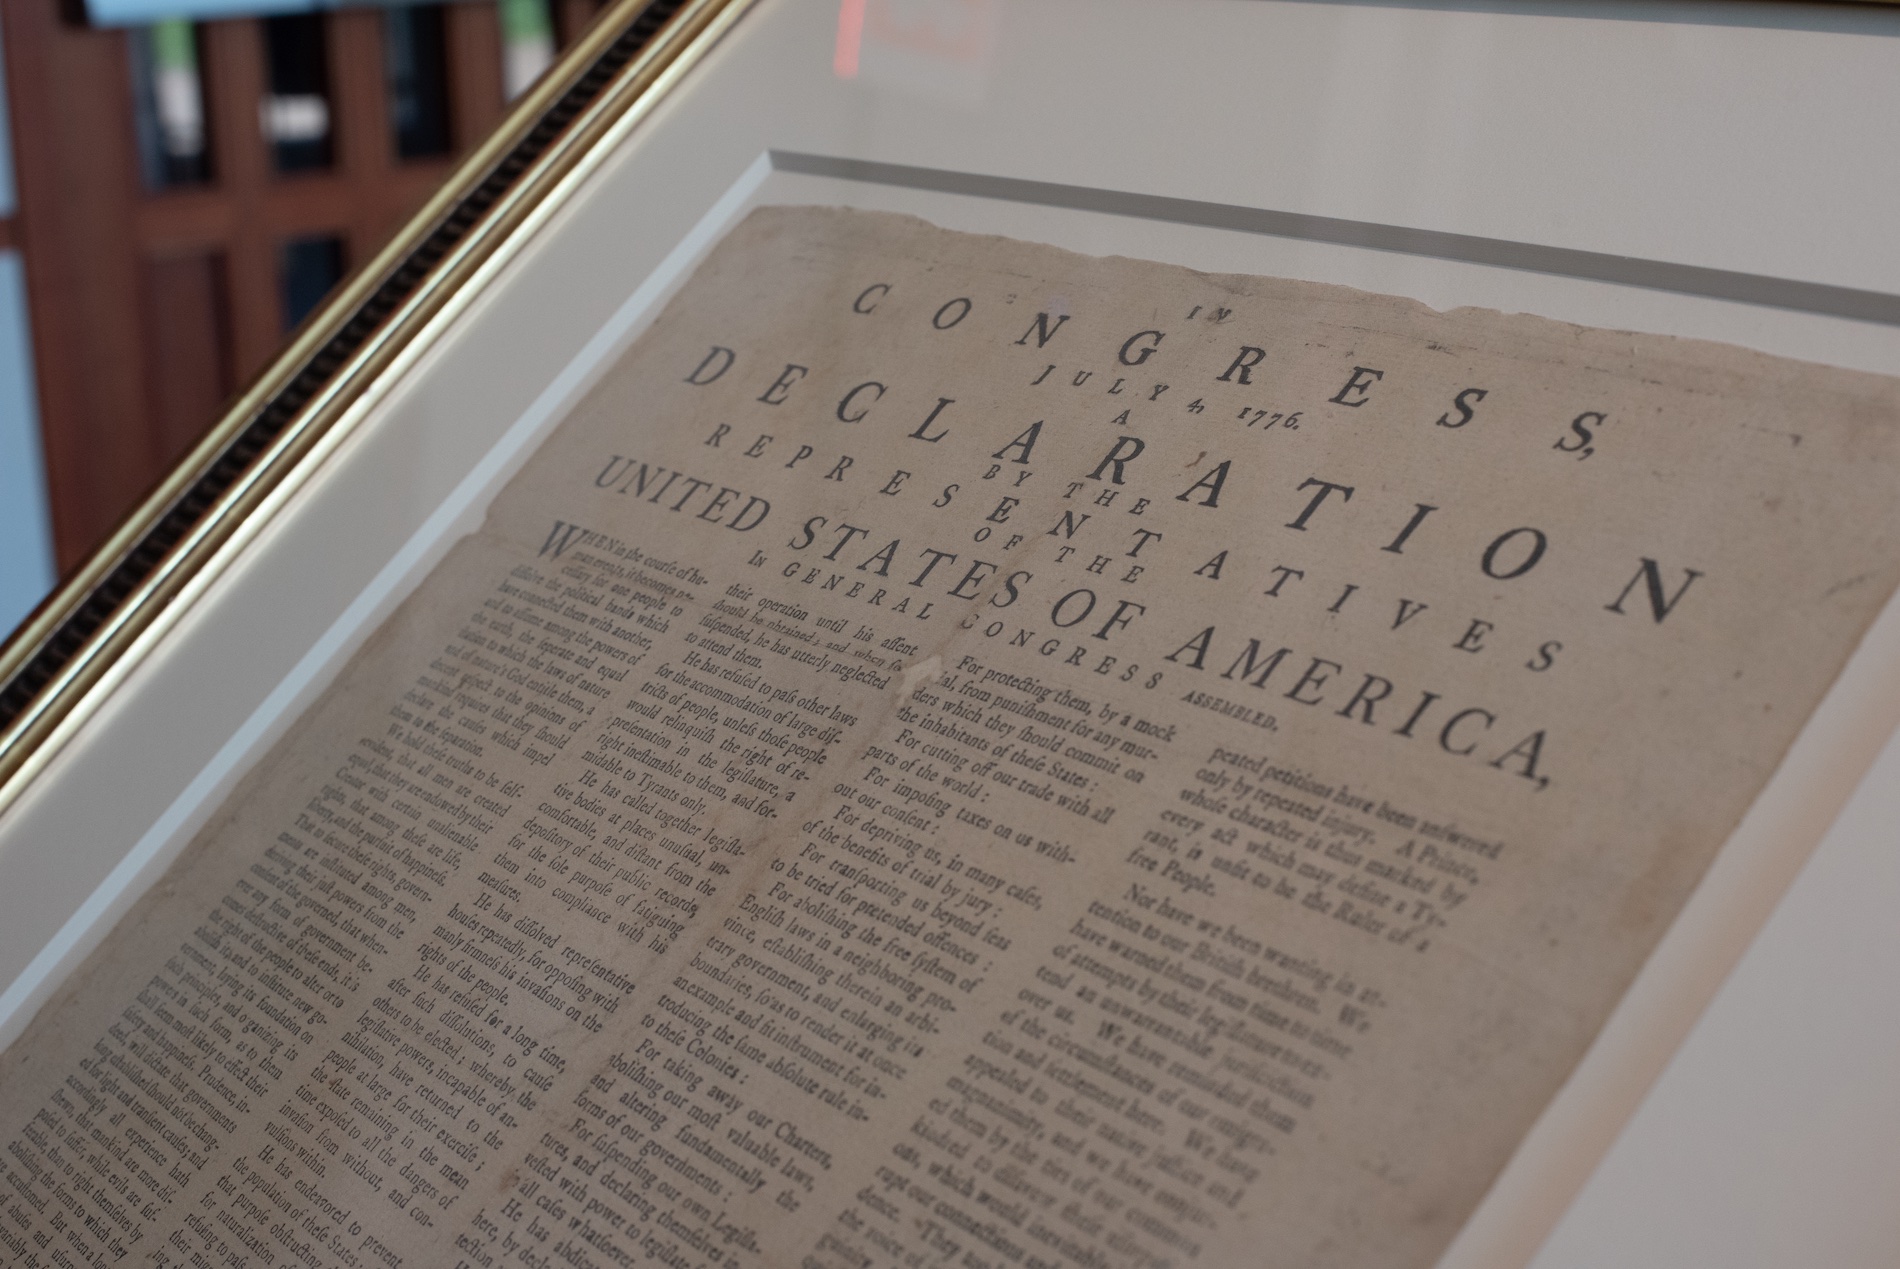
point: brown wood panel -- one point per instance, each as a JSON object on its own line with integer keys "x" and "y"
{"x": 571, "y": 17}
{"x": 233, "y": 66}
{"x": 365, "y": 149}
{"x": 148, "y": 308}
{"x": 474, "y": 39}
{"x": 393, "y": 199}
{"x": 188, "y": 220}
{"x": 77, "y": 173}
{"x": 187, "y": 326}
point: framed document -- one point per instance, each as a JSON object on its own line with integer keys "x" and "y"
{"x": 1037, "y": 634}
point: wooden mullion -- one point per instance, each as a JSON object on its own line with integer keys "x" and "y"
{"x": 571, "y": 17}
{"x": 235, "y": 87}
{"x": 474, "y": 40}
{"x": 396, "y": 198}
{"x": 184, "y": 220}
{"x": 359, "y": 95}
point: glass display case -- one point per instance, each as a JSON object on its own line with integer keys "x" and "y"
{"x": 988, "y": 632}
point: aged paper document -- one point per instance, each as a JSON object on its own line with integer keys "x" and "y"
{"x": 963, "y": 754}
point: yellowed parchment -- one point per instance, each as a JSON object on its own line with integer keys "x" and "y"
{"x": 960, "y": 753}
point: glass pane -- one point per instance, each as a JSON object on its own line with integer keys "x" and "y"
{"x": 527, "y": 43}
{"x": 295, "y": 112}
{"x": 310, "y": 267}
{"x": 415, "y": 55}
{"x": 169, "y": 105}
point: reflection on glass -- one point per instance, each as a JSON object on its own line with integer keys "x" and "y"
{"x": 169, "y": 105}
{"x": 309, "y": 268}
{"x": 415, "y": 56}
{"x": 295, "y": 112}
{"x": 844, "y": 60}
{"x": 931, "y": 49}
{"x": 527, "y": 43}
